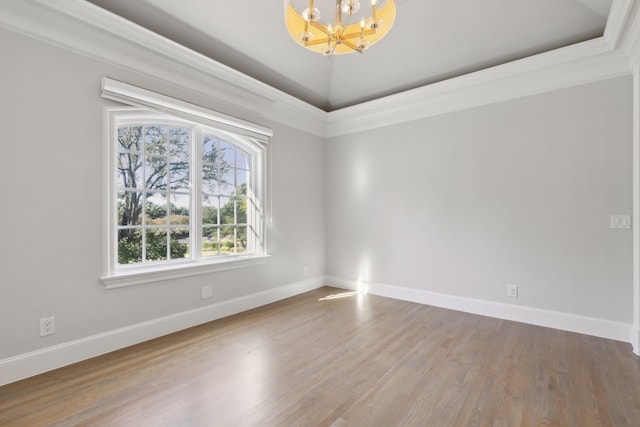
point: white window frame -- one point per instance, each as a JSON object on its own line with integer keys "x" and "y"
{"x": 158, "y": 108}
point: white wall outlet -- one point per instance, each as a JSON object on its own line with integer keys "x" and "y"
{"x": 512, "y": 291}
{"x": 206, "y": 292}
{"x": 620, "y": 221}
{"x": 47, "y": 326}
{"x": 305, "y": 270}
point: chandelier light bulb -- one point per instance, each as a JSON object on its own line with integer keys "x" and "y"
{"x": 363, "y": 44}
{"x": 305, "y": 36}
{"x": 350, "y": 6}
{"x": 327, "y": 50}
{"x": 374, "y": 23}
{"x": 311, "y": 14}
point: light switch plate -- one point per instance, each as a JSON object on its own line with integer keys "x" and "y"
{"x": 621, "y": 221}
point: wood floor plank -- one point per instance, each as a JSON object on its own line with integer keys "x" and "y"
{"x": 335, "y": 358}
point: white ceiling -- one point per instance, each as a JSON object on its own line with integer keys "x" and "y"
{"x": 432, "y": 40}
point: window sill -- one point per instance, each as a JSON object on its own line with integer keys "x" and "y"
{"x": 123, "y": 279}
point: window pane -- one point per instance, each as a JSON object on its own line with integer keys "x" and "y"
{"x": 227, "y": 240}
{"x": 241, "y": 240}
{"x": 227, "y": 210}
{"x": 130, "y": 138}
{"x": 156, "y": 173}
{"x": 180, "y": 209}
{"x": 226, "y": 153}
{"x": 179, "y": 176}
{"x": 227, "y": 182}
{"x": 129, "y": 208}
{"x": 210, "y": 207}
{"x": 179, "y": 144}
{"x": 156, "y": 209}
{"x": 180, "y": 243}
{"x": 243, "y": 160}
{"x": 156, "y": 244}
{"x": 242, "y": 179}
{"x": 210, "y": 179}
{"x": 241, "y": 211}
{"x": 155, "y": 139}
{"x": 129, "y": 246}
{"x": 209, "y": 148}
{"x": 209, "y": 241}
{"x": 130, "y": 170}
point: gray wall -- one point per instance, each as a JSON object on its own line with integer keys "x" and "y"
{"x": 518, "y": 192}
{"x": 462, "y": 204}
{"x": 52, "y": 205}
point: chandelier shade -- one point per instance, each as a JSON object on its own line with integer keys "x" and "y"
{"x": 338, "y": 26}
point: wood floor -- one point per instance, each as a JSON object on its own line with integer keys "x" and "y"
{"x": 331, "y": 358}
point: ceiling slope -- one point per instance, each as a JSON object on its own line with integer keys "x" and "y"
{"x": 431, "y": 41}
{"x": 83, "y": 27}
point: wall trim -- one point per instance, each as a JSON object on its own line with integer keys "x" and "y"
{"x": 629, "y": 35}
{"x": 635, "y": 218}
{"x": 581, "y": 63}
{"x": 26, "y": 365}
{"x": 547, "y": 318}
{"x": 33, "y": 363}
{"x": 618, "y": 16}
{"x": 87, "y": 29}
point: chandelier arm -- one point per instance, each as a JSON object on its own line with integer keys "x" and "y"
{"x": 351, "y": 45}
{"x": 319, "y": 26}
{"x": 317, "y": 41}
{"x": 358, "y": 35}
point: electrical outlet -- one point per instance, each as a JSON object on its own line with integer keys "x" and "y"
{"x": 305, "y": 270}
{"x": 47, "y": 326}
{"x": 206, "y": 292}
{"x": 512, "y": 291}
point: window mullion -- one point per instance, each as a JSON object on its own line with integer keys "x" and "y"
{"x": 143, "y": 230}
{"x": 196, "y": 193}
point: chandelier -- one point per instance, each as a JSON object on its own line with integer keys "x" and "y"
{"x": 349, "y": 28}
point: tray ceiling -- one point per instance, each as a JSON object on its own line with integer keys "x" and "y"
{"x": 431, "y": 41}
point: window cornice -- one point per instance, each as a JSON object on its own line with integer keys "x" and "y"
{"x": 139, "y": 97}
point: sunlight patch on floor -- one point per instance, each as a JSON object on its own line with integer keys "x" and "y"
{"x": 338, "y": 296}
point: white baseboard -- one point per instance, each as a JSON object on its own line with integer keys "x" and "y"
{"x": 29, "y": 364}
{"x": 552, "y": 319}
{"x": 635, "y": 340}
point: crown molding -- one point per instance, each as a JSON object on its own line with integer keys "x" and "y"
{"x": 629, "y": 40}
{"x": 84, "y": 28}
{"x": 618, "y": 16}
{"x": 87, "y": 29}
{"x": 573, "y": 65}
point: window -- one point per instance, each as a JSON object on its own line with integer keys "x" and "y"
{"x": 185, "y": 196}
